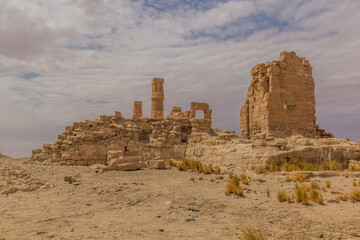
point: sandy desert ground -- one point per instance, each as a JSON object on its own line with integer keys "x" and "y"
{"x": 167, "y": 204}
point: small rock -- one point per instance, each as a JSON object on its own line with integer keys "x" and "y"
{"x": 10, "y": 190}
{"x": 168, "y": 203}
{"x": 68, "y": 179}
{"x": 193, "y": 199}
{"x": 95, "y": 188}
{"x": 161, "y": 230}
{"x": 213, "y": 216}
{"x": 320, "y": 235}
{"x": 195, "y": 215}
{"x": 76, "y": 184}
{"x": 158, "y": 216}
{"x": 88, "y": 204}
{"x": 201, "y": 205}
{"x": 187, "y": 219}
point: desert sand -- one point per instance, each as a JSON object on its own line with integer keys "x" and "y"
{"x": 168, "y": 204}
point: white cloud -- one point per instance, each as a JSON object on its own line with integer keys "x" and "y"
{"x": 107, "y": 52}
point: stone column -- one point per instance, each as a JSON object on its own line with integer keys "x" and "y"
{"x": 137, "y": 111}
{"x": 157, "y": 98}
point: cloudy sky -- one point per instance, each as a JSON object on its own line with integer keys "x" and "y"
{"x": 70, "y": 60}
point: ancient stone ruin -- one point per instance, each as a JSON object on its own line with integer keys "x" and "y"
{"x": 157, "y": 98}
{"x": 137, "y": 111}
{"x": 128, "y": 144}
{"x": 278, "y": 123}
{"x": 281, "y": 100}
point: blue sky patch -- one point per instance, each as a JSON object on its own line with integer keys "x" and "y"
{"x": 29, "y": 75}
{"x": 88, "y": 47}
{"x": 94, "y": 101}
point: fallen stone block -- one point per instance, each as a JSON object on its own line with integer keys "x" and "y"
{"x": 156, "y": 164}
{"x": 129, "y": 166}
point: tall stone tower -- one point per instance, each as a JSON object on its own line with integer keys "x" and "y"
{"x": 281, "y": 100}
{"x": 157, "y": 98}
{"x": 137, "y": 110}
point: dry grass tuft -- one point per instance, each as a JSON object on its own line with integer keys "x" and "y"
{"x": 301, "y": 177}
{"x": 233, "y": 187}
{"x": 268, "y": 192}
{"x": 273, "y": 166}
{"x": 244, "y": 179}
{"x": 316, "y": 196}
{"x": 281, "y": 196}
{"x": 208, "y": 169}
{"x": 170, "y": 162}
{"x": 328, "y": 184}
{"x": 260, "y": 170}
{"x": 314, "y": 185}
{"x": 251, "y": 234}
{"x": 353, "y": 195}
{"x": 301, "y": 194}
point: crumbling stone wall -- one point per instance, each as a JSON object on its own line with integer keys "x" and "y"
{"x": 194, "y": 106}
{"x": 281, "y": 100}
{"x": 90, "y": 142}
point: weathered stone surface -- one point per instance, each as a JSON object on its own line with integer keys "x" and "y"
{"x": 137, "y": 111}
{"x": 157, "y": 98}
{"x": 156, "y": 164}
{"x": 251, "y": 154}
{"x": 14, "y": 179}
{"x": 281, "y": 100}
{"x": 129, "y": 166}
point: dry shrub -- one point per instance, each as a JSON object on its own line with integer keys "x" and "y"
{"x": 273, "y": 166}
{"x": 355, "y": 183}
{"x": 170, "y": 162}
{"x": 328, "y": 183}
{"x": 208, "y": 169}
{"x": 301, "y": 177}
{"x": 334, "y": 166}
{"x": 260, "y": 170}
{"x": 179, "y": 166}
{"x": 353, "y": 195}
{"x": 288, "y": 178}
{"x": 251, "y": 234}
{"x": 281, "y": 196}
{"x": 316, "y": 196}
{"x": 301, "y": 194}
{"x": 233, "y": 187}
{"x": 244, "y": 179}
{"x": 217, "y": 170}
{"x": 324, "y": 167}
{"x": 268, "y": 192}
{"x": 260, "y": 180}
{"x": 314, "y": 185}
{"x": 193, "y": 165}
{"x": 219, "y": 177}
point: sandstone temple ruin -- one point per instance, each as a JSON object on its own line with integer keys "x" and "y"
{"x": 134, "y": 140}
{"x": 281, "y": 100}
{"x": 277, "y": 123}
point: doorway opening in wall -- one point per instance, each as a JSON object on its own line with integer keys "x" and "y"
{"x": 199, "y": 114}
